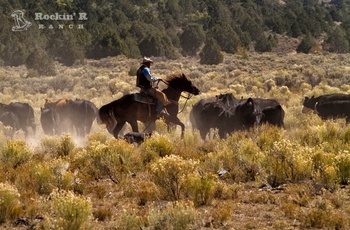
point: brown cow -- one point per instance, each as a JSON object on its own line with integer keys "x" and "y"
{"x": 68, "y": 115}
{"x": 60, "y": 109}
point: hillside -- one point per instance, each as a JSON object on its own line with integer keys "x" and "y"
{"x": 70, "y": 31}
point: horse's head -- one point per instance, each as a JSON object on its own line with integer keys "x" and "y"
{"x": 182, "y": 83}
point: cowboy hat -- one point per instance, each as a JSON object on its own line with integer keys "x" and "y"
{"x": 146, "y": 60}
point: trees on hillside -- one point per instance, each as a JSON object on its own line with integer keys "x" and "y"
{"x": 211, "y": 53}
{"x": 166, "y": 28}
{"x": 192, "y": 38}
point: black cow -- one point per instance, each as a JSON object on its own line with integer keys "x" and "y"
{"x": 24, "y": 113}
{"x": 49, "y": 121}
{"x": 228, "y": 114}
{"x": 11, "y": 120}
{"x": 213, "y": 112}
{"x": 82, "y": 114}
{"x": 271, "y": 111}
{"x": 334, "y": 109}
{"x": 309, "y": 103}
{"x": 247, "y": 114}
{"x": 273, "y": 115}
{"x": 265, "y": 103}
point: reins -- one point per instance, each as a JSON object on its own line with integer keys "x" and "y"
{"x": 189, "y": 96}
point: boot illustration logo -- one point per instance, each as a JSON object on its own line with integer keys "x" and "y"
{"x": 21, "y": 23}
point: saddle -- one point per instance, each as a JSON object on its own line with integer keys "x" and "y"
{"x": 144, "y": 98}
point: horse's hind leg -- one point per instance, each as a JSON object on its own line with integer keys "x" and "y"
{"x": 117, "y": 129}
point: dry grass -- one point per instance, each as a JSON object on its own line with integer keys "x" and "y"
{"x": 292, "y": 178}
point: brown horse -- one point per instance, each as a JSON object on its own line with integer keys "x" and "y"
{"x": 125, "y": 109}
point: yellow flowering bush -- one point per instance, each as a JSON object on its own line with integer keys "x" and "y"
{"x": 65, "y": 146}
{"x": 109, "y": 159}
{"x": 155, "y": 147}
{"x": 171, "y": 174}
{"x": 174, "y": 216}
{"x": 9, "y": 202}
{"x": 342, "y": 164}
{"x": 68, "y": 210}
{"x": 15, "y": 152}
{"x": 287, "y": 161}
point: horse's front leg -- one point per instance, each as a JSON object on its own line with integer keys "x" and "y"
{"x": 176, "y": 121}
{"x": 134, "y": 126}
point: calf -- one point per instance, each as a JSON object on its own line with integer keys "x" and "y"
{"x": 135, "y": 137}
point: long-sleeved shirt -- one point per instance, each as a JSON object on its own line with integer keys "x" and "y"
{"x": 147, "y": 72}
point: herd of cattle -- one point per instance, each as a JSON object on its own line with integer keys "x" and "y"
{"x": 227, "y": 114}
{"x": 223, "y": 112}
{"x": 56, "y": 117}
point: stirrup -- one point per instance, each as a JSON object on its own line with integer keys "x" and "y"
{"x": 163, "y": 113}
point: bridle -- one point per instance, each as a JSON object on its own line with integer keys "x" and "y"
{"x": 188, "y": 97}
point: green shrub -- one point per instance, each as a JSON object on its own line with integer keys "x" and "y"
{"x": 342, "y": 165}
{"x": 267, "y": 136}
{"x": 192, "y": 38}
{"x": 325, "y": 219}
{"x": 225, "y": 191}
{"x": 40, "y": 61}
{"x": 132, "y": 70}
{"x": 65, "y": 146}
{"x": 240, "y": 156}
{"x": 106, "y": 160}
{"x": 103, "y": 214}
{"x": 201, "y": 188}
{"x": 36, "y": 177}
{"x": 69, "y": 211}
{"x": 10, "y": 206}
{"x": 49, "y": 145}
{"x": 98, "y": 137}
{"x": 146, "y": 191}
{"x": 155, "y": 147}
{"x": 287, "y": 161}
{"x": 15, "y": 153}
{"x": 211, "y": 53}
{"x": 306, "y": 44}
{"x": 171, "y": 174}
{"x": 174, "y": 216}
{"x": 323, "y": 170}
{"x": 64, "y": 178}
{"x": 129, "y": 220}
{"x": 42, "y": 177}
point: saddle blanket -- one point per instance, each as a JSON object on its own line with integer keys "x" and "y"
{"x": 143, "y": 98}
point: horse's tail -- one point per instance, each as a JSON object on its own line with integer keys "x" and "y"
{"x": 104, "y": 115}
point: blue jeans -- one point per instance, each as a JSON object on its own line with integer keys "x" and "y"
{"x": 159, "y": 106}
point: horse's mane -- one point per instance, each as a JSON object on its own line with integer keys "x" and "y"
{"x": 175, "y": 76}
